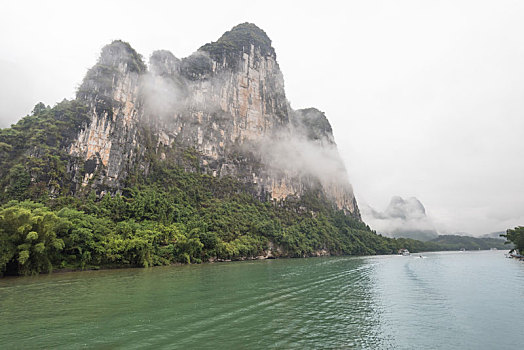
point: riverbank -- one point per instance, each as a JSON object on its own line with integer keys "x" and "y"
{"x": 267, "y": 256}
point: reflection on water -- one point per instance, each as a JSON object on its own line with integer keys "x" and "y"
{"x": 448, "y": 300}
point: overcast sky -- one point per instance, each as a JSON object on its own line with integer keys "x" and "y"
{"x": 426, "y": 98}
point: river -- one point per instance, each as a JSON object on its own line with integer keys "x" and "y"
{"x": 454, "y": 300}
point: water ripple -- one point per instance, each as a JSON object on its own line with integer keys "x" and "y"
{"x": 450, "y": 301}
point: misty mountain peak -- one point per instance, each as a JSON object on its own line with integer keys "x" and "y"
{"x": 163, "y": 62}
{"x": 239, "y": 40}
{"x": 117, "y": 60}
{"x": 120, "y": 52}
{"x": 317, "y": 126}
{"x": 405, "y": 208}
{"x": 402, "y": 218}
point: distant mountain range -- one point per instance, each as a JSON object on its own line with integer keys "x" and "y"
{"x": 494, "y": 235}
{"x": 470, "y": 243}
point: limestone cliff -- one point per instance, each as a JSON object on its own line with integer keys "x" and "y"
{"x": 227, "y": 101}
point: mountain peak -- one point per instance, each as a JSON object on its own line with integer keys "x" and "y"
{"x": 315, "y": 122}
{"x": 117, "y": 59}
{"x": 405, "y": 208}
{"x": 163, "y": 62}
{"x": 121, "y": 52}
{"x": 239, "y": 39}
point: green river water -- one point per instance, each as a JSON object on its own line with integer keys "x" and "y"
{"x": 471, "y": 300}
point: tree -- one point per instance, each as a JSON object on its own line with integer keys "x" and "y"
{"x": 28, "y": 237}
{"x": 517, "y": 237}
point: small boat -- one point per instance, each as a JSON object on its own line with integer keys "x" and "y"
{"x": 462, "y": 249}
{"x": 404, "y": 252}
{"x": 515, "y": 254}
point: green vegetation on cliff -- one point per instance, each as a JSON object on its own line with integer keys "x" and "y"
{"x": 190, "y": 218}
{"x": 34, "y": 158}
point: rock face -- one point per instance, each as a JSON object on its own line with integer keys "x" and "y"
{"x": 110, "y": 89}
{"x": 227, "y": 101}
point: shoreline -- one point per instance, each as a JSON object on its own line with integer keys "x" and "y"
{"x": 67, "y": 270}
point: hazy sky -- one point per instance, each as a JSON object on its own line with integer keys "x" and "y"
{"x": 426, "y": 98}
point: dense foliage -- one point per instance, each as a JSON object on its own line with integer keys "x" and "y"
{"x": 34, "y": 158}
{"x": 189, "y": 218}
{"x": 516, "y": 236}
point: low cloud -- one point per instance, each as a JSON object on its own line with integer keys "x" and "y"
{"x": 305, "y": 150}
{"x": 296, "y": 154}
